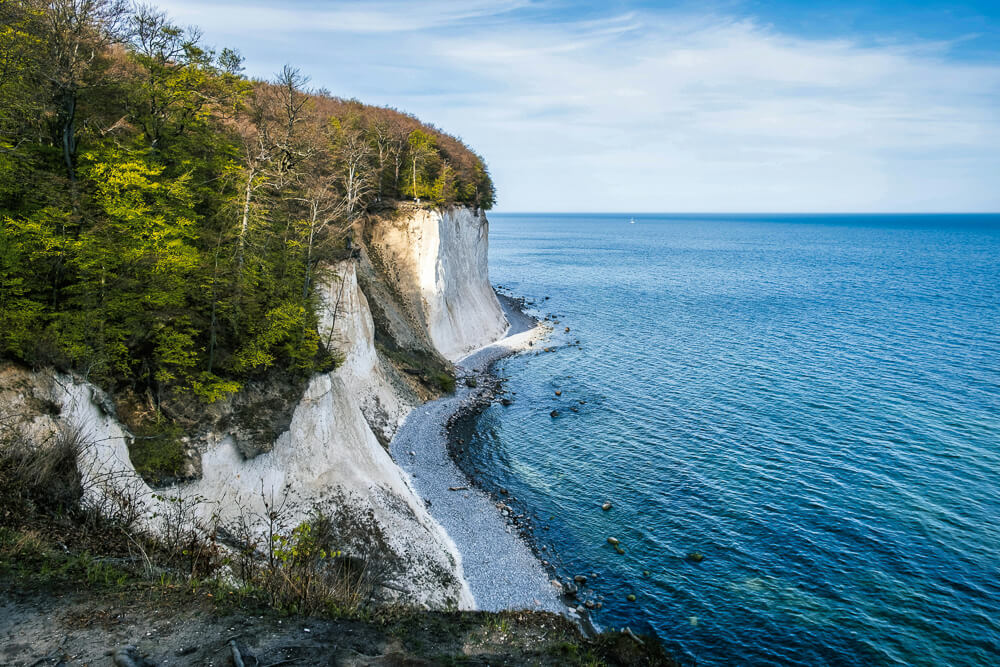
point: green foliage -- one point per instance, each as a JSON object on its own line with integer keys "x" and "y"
{"x": 284, "y": 329}
{"x": 162, "y": 217}
{"x": 422, "y": 165}
{"x": 444, "y": 381}
{"x": 157, "y": 451}
{"x": 211, "y": 388}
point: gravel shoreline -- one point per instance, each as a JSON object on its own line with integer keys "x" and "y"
{"x": 500, "y": 567}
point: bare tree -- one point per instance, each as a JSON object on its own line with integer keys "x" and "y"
{"x": 78, "y": 31}
{"x": 272, "y": 143}
{"x": 389, "y": 141}
{"x": 325, "y": 221}
{"x": 353, "y": 152}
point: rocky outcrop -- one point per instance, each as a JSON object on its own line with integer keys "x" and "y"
{"x": 329, "y": 451}
{"x": 438, "y": 260}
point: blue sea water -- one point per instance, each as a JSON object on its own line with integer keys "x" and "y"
{"x": 811, "y": 402}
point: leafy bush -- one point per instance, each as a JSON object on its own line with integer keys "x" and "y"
{"x": 300, "y": 568}
{"x": 444, "y": 381}
{"x": 157, "y": 451}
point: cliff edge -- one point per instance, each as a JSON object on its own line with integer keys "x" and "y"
{"x": 427, "y": 280}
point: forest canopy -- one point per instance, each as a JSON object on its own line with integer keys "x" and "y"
{"x": 162, "y": 216}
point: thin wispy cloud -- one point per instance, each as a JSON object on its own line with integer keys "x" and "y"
{"x": 655, "y": 110}
{"x": 340, "y": 17}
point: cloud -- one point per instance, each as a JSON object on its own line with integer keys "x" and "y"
{"x": 338, "y": 17}
{"x": 654, "y": 110}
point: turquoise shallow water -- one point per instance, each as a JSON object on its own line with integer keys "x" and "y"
{"x": 812, "y": 402}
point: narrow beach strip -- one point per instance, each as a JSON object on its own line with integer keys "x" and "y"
{"x": 502, "y": 571}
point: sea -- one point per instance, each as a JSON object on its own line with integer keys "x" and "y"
{"x": 795, "y": 418}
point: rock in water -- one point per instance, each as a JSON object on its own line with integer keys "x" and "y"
{"x": 580, "y": 579}
{"x": 613, "y": 541}
{"x": 606, "y": 506}
{"x": 554, "y": 414}
{"x": 695, "y": 557}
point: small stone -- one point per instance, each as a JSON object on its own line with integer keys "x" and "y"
{"x": 554, "y": 414}
{"x": 558, "y": 392}
{"x": 412, "y": 453}
{"x": 606, "y": 506}
{"x": 645, "y": 573}
{"x": 613, "y": 541}
{"x": 506, "y": 402}
{"x": 567, "y": 329}
{"x": 621, "y": 552}
{"x": 630, "y": 598}
{"x": 695, "y": 557}
{"x": 580, "y": 579}
{"x": 589, "y": 604}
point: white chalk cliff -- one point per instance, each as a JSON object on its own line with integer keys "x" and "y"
{"x": 440, "y": 260}
{"x": 330, "y": 449}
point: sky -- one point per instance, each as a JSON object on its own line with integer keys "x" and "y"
{"x": 633, "y": 106}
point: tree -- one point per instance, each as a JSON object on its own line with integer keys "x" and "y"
{"x": 271, "y": 142}
{"x": 352, "y": 152}
{"x": 162, "y": 218}
{"x": 134, "y": 268}
{"x": 77, "y": 33}
{"x": 388, "y": 138}
{"x": 421, "y": 150}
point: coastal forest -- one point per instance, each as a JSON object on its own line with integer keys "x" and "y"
{"x": 162, "y": 215}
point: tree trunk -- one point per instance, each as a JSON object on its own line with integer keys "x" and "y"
{"x": 69, "y": 133}
{"x": 309, "y": 248}
{"x": 415, "y": 197}
{"x": 246, "y": 218}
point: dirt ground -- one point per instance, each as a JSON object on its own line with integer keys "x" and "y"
{"x": 185, "y": 628}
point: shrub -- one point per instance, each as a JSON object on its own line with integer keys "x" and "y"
{"x": 37, "y": 479}
{"x": 444, "y": 381}
{"x": 302, "y": 567}
{"x": 157, "y": 451}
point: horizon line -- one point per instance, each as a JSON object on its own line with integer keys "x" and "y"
{"x": 634, "y": 213}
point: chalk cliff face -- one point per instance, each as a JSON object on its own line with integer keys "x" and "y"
{"x": 330, "y": 453}
{"x": 439, "y": 260}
